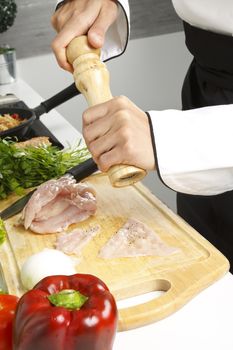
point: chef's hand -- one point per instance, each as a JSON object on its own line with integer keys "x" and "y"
{"x": 79, "y": 17}
{"x": 118, "y": 132}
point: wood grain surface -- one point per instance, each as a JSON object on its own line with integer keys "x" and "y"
{"x": 32, "y": 32}
{"x": 182, "y": 275}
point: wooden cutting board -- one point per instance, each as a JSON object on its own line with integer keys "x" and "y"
{"x": 182, "y": 275}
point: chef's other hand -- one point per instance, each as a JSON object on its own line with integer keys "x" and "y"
{"x": 118, "y": 132}
{"x": 79, "y": 17}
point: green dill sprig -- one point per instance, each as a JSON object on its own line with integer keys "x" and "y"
{"x": 2, "y": 232}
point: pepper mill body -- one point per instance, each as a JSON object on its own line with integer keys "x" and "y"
{"x": 92, "y": 80}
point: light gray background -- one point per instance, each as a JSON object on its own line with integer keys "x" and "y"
{"x": 32, "y": 33}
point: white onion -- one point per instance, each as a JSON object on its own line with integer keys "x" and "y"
{"x": 48, "y": 262}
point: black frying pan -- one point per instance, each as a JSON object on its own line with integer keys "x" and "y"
{"x": 32, "y": 114}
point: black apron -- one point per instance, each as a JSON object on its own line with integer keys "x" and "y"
{"x": 209, "y": 81}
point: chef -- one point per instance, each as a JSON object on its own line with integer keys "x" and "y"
{"x": 191, "y": 149}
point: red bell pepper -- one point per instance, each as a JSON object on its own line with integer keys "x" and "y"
{"x": 66, "y": 312}
{"x": 7, "y": 311}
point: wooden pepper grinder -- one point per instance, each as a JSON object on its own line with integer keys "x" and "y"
{"x": 92, "y": 80}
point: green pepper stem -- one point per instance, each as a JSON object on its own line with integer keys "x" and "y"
{"x": 68, "y": 298}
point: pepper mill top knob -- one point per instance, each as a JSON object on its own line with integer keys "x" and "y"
{"x": 79, "y": 46}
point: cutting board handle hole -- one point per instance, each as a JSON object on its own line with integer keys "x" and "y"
{"x": 156, "y": 289}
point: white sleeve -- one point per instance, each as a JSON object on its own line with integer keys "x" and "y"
{"x": 194, "y": 149}
{"x": 117, "y": 36}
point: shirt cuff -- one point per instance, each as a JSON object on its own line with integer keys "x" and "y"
{"x": 117, "y": 36}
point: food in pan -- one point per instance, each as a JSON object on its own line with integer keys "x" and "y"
{"x": 133, "y": 239}
{"x": 8, "y": 121}
{"x": 57, "y": 204}
{"x": 32, "y": 165}
{"x": 74, "y": 241}
{"x": 38, "y": 141}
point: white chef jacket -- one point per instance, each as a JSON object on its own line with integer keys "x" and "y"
{"x": 194, "y": 148}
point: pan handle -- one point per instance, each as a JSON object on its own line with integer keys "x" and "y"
{"x": 56, "y": 100}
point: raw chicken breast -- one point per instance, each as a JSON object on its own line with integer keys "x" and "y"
{"x": 74, "y": 241}
{"x": 135, "y": 239}
{"x": 56, "y": 204}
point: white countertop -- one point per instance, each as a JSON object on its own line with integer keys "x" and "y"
{"x": 205, "y": 323}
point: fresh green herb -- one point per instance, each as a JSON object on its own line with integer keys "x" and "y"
{"x": 2, "y": 291}
{"x": 2, "y": 232}
{"x": 22, "y": 168}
